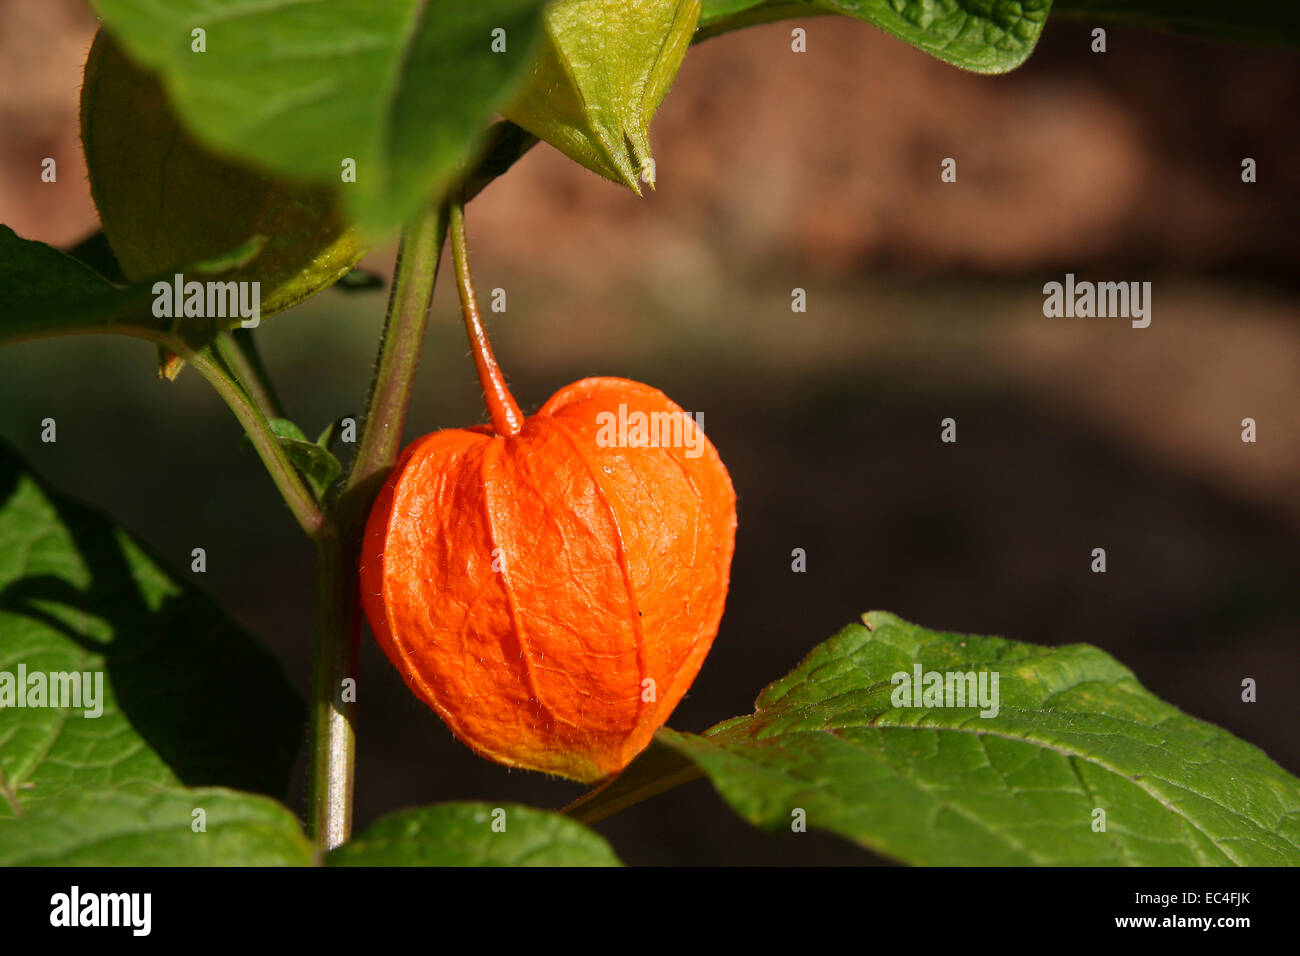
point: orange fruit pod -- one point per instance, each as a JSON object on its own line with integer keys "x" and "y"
{"x": 551, "y": 586}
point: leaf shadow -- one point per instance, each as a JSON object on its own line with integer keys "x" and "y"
{"x": 206, "y": 697}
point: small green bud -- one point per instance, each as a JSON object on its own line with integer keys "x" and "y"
{"x": 603, "y": 70}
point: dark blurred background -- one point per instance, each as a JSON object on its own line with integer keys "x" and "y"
{"x": 819, "y": 171}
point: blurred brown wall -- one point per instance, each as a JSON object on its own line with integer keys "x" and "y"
{"x": 830, "y": 158}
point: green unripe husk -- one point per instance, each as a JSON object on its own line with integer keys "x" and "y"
{"x": 602, "y": 71}
{"x": 165, "y": 202}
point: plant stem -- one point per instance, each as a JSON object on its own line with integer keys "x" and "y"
{"x": 239, "y": 349}
{"x": 295, "y": 492}
{"x": 502, "y": 408}
{"x": 416, "y": 271}
{"x": 333, "y": 710}
{"x": 338, "y": 613}
{"x": 209, "y": 359}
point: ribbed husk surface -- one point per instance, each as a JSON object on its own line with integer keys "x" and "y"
{"x": 611, "y": 570}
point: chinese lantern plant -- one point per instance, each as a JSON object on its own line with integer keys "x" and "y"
{"x": 549, "y": 593}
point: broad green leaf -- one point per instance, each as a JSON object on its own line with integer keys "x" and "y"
{"x": 987, "y": 36}
{"x": 475, "y": 834}
{"x": 188, "y": 698}
{"x": 314, "y": 460}
{"x": 145, "y": 826}
{"x": 403, "y": 88}
{"x": 1074, "y": 732}
{"x": 1250, "y": 21}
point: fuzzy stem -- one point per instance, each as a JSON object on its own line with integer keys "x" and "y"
{"x": 506, "y": 417}
{"x": 338, "y": 614}
{"x": 414, "y": 276}
{"x": 295, "y": 492}
{"x": 240, "y": 351}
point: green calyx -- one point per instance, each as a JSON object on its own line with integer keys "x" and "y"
{"x": 165, "y": 201}
{"x": 603, "y": 69}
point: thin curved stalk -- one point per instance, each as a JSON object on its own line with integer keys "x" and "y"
{"x": 504, "y": 411}
{"x": 239, "y": 349}
{"x": 292, "y": 488}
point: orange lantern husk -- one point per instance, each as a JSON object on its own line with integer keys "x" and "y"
{"x": 551, "y": 593}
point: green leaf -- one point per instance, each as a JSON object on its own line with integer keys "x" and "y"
{"x": 1074, "y": 732}
{"x": 1249, "y": 21}
{"x": 463, "y": 834}
{"x": 287, "y": 430}
{"x": 42, "y": 289}
{"x": 144, "y": 826}
{"x": 47, "y": 292}
{"x": 403, "y": 87}
{"x": 187, "y": 696}
{"x": 314, "y": 460}
{"x": 328, "y": 433}
{"x": 986, "y": 36}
